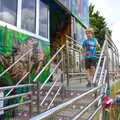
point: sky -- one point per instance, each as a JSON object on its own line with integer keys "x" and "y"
{"x": 110, "y": 9}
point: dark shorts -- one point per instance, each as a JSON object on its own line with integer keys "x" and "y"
{"x": 90, "y": 62}
{"x": 1, "y": 117}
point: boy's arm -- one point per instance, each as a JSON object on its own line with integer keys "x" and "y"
{"x": 84, "y": 47}
{"x": 98, "y": 46}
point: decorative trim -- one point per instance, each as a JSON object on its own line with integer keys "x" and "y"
{"x": 19, "y": 8}
{"x": 23, "y": 31}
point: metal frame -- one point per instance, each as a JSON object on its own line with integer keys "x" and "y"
{"x": 88, "y": 106}
{"x": 102, "y": 87}
{"x": 60, "y": 107}
{"x": 18, "y": 25}
{"x": 102, "y": 83}
{"x": 18, "y": 95}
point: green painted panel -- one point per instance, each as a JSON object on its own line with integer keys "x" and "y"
{"x": 13, "y": 44}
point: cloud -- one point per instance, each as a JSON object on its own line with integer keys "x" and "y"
{"x": 116, "y": 34}
{"x": 109, "y": 9}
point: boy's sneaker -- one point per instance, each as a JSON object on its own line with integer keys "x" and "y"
{"x": 89, "y": 84}
{"x": 94, "y": 84}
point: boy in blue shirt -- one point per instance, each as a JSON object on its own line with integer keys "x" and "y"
{"x": 89, "y": 45}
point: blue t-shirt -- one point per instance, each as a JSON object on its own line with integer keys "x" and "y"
{"x": 90, "y": 47}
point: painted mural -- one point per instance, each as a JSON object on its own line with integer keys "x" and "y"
{"x": 79, "y": 8}
{"x": 80, "y": 33}
{"x": 66, "y": 3}
{"x": 14, "y": 44}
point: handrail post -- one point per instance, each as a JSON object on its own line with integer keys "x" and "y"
{"x": 105, "y": 113}
{"x": 29, "y": 67}
{"x": 30, "y": 105}
{"x": 67, "y": 62}
{"x": 62, "y": 74}
{"x": 38, "y": 97}
{"x": 117, "y": 55}
{"x": 112, "y": 65}
{"x": 118, "y": 60}
{"x": 80, "y": 65}
{"x": 30, "y": 88}
{"x": 107, "y": 67}
{"x": 116, "y": 63}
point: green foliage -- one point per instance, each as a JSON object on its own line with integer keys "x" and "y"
{"x": 98, "y": 23}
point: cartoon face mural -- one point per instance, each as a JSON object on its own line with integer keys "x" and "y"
{"x": 14, "y": 44}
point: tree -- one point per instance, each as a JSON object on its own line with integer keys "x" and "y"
{"x": 98, "y": 23}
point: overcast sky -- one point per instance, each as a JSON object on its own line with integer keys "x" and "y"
{"x": 110, "y": 9}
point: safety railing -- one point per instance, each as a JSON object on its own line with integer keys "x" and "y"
{"x": 18, "y": 83}
{"x": 99, "y": 89}
{"x": 24, "y": 102}
{"x": 107, "y": 66}
{"x": 62, "y": 56}
{"x": 74, "y": 48}
{"x": 101, "y": 78}
{"x": 74, "y": 58}
{"x": 109, "y": 59}
{"x": 55, "y": 79}
{"x": 9, "y": 91}
{"x": 48, "y": 114}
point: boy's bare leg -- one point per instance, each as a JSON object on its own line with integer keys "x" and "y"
{"x": 89, "y": 74}
{"x": 89, "y": 77}
{"x": 92, "y": 72}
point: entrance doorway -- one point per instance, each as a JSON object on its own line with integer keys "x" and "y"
{"x": 60, "y": 24}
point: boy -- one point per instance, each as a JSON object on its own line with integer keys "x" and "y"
{"x": 89, "y": 46}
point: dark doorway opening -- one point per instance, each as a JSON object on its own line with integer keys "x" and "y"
{"x": 60, "y": 24}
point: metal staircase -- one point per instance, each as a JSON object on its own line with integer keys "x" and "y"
{"x": 64, "y": 95}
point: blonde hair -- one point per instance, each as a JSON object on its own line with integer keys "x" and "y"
{"x": 90, "y": 29}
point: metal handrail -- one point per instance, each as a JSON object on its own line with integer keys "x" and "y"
{"x": 48, "y": 92}
{"x": 110, "y": 40}
{"x": 93, "y": 114}
{"x": 15, "y": 105}
{"x": 101, "y": 83}
{"x": 54, "y": 97}
{"x": 75, "y": 49}
{"x": 53, "y": 71}
{"x": 78, "y": 45}
{"x": 50, "y": 75}
{"x": 15, "y": 62}
{"x": 98, "y": 64}
{"x": 94, "y": 101}
{"x": 70, "y": 38}
{"x": 102, "y": 70}
{"x": 64, "y": 105}
{"x": 105, "y": 76}
{"x": 61, "y": 48}
{"x": 49, "y": 62}
{"x": 103, "y": 92}
{"x": 18, "y": 83}
{"x": 14, "y": 96}
{"x": 19, "y": 86}
{"x": 98, "y": 98}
